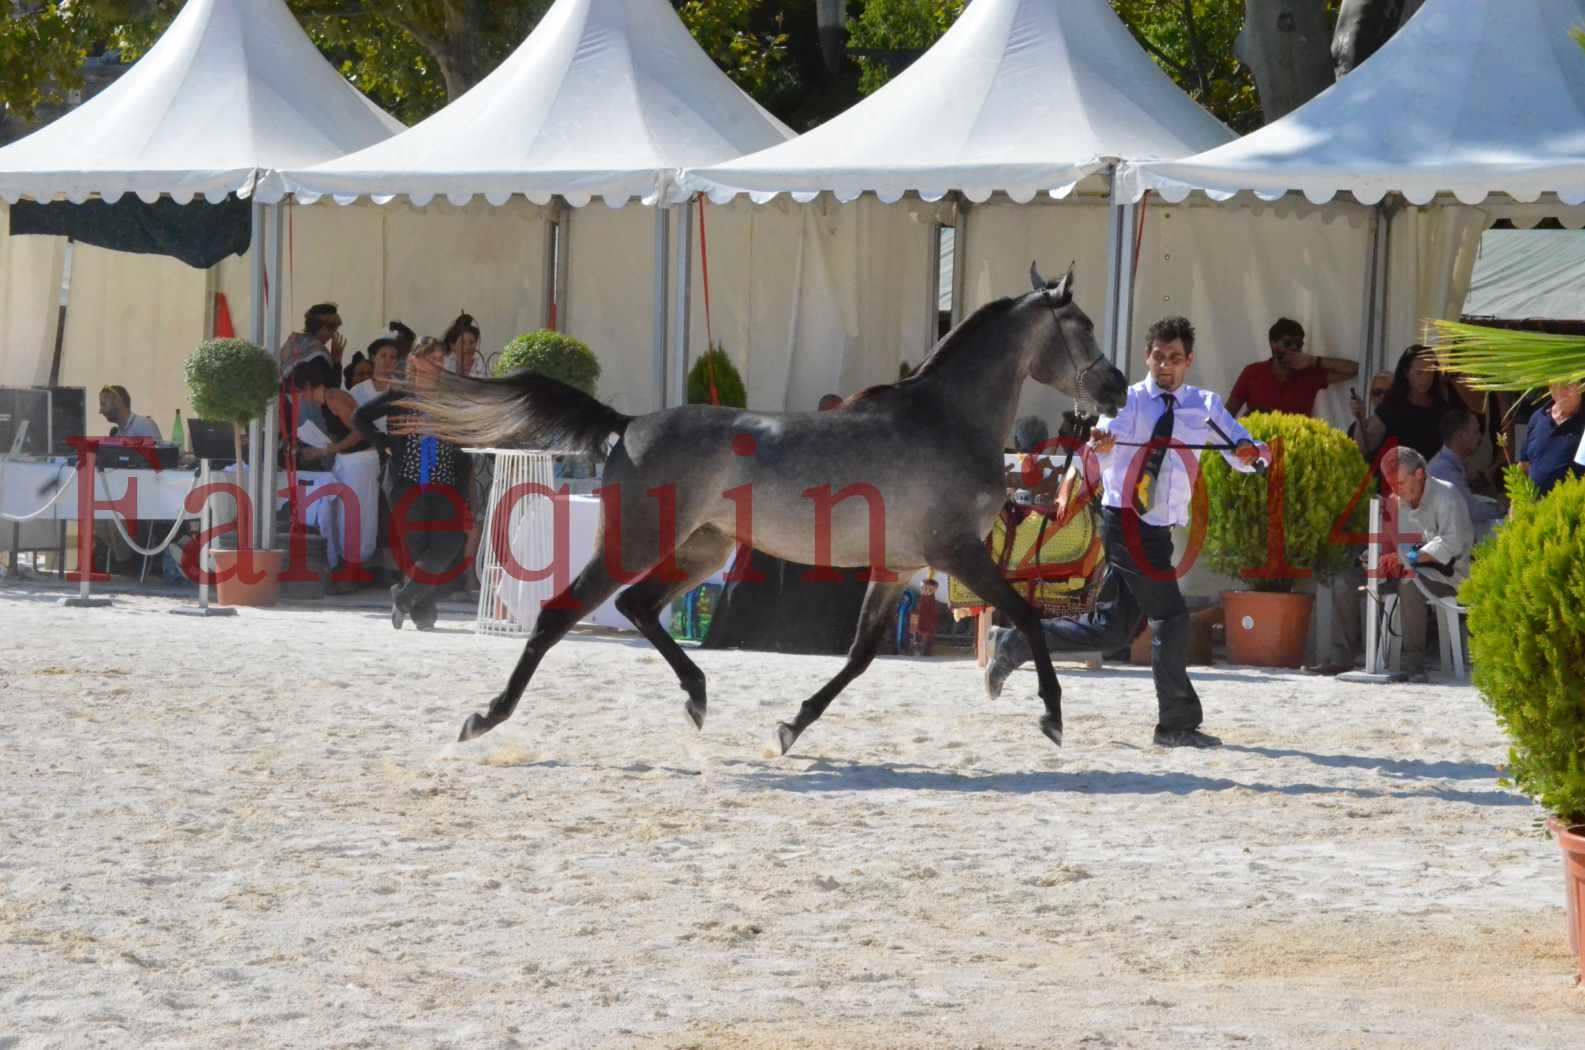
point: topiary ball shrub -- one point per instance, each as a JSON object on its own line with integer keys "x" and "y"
{"x": 553, "y": 354}
{"x": 1526, "y": 601}
{"x": 231, "y": 380}
{"x": 728, "y": 384}
{"x": 1322, "y": 472}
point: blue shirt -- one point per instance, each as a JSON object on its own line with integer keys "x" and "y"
{"x": 1137, "y": 423}
{"x": 1550, "y": 448}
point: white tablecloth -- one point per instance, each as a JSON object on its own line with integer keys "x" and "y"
{"x": 159, "y": 494}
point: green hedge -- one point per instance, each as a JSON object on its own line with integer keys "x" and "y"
{"x": 1322, "y": 470}
{"x": 1526, "y": 601}
{"x": 553, "y": 354}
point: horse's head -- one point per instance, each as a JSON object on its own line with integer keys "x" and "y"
{"x": 1066, "y": 356}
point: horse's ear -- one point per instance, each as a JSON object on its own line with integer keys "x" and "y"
{"x": 1064, "y": 288}
{"x": 1034, "y": 277}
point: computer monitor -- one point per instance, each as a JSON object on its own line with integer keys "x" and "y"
{"x": 20, "y": 405}
{"x": 213, "y": 441}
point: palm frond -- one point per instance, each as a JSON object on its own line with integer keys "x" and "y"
{"x": 1505, "y": 359}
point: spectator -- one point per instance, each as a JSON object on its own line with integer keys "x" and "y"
{"x": 1030, "y": 437}
{"x": 1289, "y": 380}
{"x": 326, "y": 440}
{"x": 404, "y": 338}
{"x": 1461, "y": 436}
{"x": 1552, "y": 440}
{"x": 321, "y": 337}
{"x": 462, "y": 348}
{"x": 115, "y": 404}
{"x": 1436, "y": 537}
{"x": 384, "y": 357}
{"x": 423, "y": 477}
{"x": 1411, "y": 412}
{"x": 359, "y": 369}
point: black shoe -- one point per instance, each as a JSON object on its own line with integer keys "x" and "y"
{"x": 1185, "y": 738}
{"x": 398, "y": 614}
{"x": 1003, "y": 642}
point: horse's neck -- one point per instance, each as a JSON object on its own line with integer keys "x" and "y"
{"x": 980, "y": 387}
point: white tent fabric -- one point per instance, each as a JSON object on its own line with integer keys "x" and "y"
{"x": 1529, "y": 274}
{"x": 1496, "y": 90}
{"x": 606, "y": 98}
{"x": 233, "y": 88}
{"x": 1018, "y": 97}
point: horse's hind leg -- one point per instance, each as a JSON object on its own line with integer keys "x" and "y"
{"x": 588, "y": 592}
{"x": 880, "y": 606}
{"x": 970, "y": 563}
{"x": 699, "y": 556}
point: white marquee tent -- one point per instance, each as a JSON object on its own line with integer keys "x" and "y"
{"x": 606, "y": 98}
{"x": 1020, "y": 113}
{"x": 232, "y": 90}
{"x": 1474, "y": 111}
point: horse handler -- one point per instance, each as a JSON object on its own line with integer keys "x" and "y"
{"x": 1146, "y": 488}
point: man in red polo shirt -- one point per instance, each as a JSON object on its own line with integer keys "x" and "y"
{"x": 1289, "y": 380}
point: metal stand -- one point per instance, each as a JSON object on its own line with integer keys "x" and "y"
{"x": 204, "y": 568}
{"x": 1373, "y": 673}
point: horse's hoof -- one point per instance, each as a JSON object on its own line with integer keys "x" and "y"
{"x": 695, "y": 709}
{"x": 787, "y": 736}
{"x": 1053, "y": 731}
{"x": 476, "y": 725}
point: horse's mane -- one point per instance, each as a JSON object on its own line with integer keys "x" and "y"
{"x": 952, "y": 344}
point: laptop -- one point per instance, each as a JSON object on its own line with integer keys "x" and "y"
{"x": 215, "y": 442}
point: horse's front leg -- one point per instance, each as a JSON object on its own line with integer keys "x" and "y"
{"x": 968, "y": 561}
{"x": 880, "y": 605}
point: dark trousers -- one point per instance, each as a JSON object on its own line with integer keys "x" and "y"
{"x": 429, "y": 554}
{"x": 1126, "y": 593}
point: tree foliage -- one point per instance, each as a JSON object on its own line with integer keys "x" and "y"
{"x": 758, "y": 61}
{"x": 888, "y": 33}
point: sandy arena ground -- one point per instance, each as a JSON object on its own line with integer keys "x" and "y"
{"x": 257, "y": 832}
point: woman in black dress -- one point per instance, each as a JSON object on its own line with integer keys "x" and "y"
{"x": 426, "y": 481}
{"x": 1411, "y": 413}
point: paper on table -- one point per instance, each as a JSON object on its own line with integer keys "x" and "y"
{"x": 308, "y": 433}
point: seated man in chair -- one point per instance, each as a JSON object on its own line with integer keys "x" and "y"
{"x": 1434, "y": 537}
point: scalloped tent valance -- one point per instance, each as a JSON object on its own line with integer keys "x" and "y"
{"x": 1473, "y": 98}
{"x": 232, "y": 89}
{"x": 606, "y": 98}
{"x": 1021, "y": 97}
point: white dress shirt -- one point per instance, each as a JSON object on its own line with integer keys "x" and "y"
{"x": 1441, "y": 528}
{"x": 1137, "y": 423}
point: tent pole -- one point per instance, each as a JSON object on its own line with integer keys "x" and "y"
{"x": 272, "y": 339}
{"x": 960, "y": 252}
{"x": 1119, "y": 276}
{"x": 1368, "y": 315}
{"x": 681, "y": 291}
{"x": 251, "y": 483}
{"x": 662, "y": 302}
{"x": 1381, "y": 255}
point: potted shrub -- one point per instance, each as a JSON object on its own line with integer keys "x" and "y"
{"x": 1527, "y": 645}
{"x": 553, "y": 354}
{"x": 1322, "y": 473}
{"x": 715, "y": 364}
{"x": 234, "y": 380}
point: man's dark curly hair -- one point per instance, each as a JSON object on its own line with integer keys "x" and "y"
{"x": 1169, "y": 328}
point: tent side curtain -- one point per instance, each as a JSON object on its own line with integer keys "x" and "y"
{"x": 198, "y": 233}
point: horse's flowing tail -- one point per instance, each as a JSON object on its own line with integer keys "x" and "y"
{"x": 522, "y": 410}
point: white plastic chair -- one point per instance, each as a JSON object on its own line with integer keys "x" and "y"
{"x": 1450, "y": 631}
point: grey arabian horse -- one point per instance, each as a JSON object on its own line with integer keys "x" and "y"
{"x": 901, "y": 477}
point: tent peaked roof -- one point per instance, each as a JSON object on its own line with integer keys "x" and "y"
{"x": 605, "y": 98}
{"x": 232, "y": 89}
{"x": 1470, "y": 97}
{"x": 1018, "y": 96}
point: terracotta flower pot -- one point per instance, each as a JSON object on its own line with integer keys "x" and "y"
{"x": 232, "y": 589}
{"x": 1571, "y": 840}
{"x": 1266, "y": 629}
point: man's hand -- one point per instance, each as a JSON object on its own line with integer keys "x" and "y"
{"x": 338, "y": 346}
{"x": 1392, "y": 566}
{"x": 1102, "y": 441}
{"x": 1247, "y": 452}
{"x": 1299, "y": 360}
{"x": 1355, "y": 405}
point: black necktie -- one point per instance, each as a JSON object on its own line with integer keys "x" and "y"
{"x": 1145, "y": 491}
